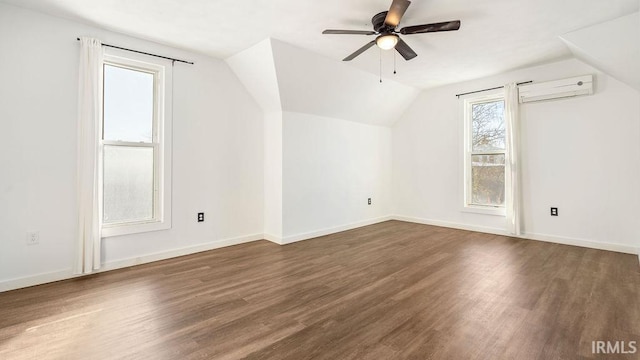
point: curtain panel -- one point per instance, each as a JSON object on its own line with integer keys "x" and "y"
{"x": 88, "y": 169}
{"x": 512, "y": 173}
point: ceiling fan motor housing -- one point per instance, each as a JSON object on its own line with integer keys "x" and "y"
{"x": 378, "y": 23}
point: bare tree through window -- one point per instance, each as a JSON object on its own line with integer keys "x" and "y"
{"x": 487, "y": 153}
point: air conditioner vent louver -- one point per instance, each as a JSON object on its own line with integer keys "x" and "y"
{"x": 557, "y": 89}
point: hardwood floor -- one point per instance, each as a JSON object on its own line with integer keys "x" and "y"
{"x": 386, "y": 291}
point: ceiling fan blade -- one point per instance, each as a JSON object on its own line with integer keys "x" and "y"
{"x": 404, "y": 50}
{"x": 360, "y": 51}
{"x": 396, "y": 11}
{"x": 349, "y": 32}
{"x": 427, "y": 28}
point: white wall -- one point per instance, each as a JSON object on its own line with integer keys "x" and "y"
{"x": 273, "y": 176}
{"x": 217, "y": 150}
{"x": 580, "y": 155}
{"x": 322, "y": 158}
{"x": 330, "y": 168}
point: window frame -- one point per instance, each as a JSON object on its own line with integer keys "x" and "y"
{"x": 468, "y": 205}
{"x": 161, "y": 145}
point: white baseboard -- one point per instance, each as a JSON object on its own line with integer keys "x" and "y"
{"x": 328, "y": 231}
{"x": 448, "y": 224}
{"x": 163, "y": 255}
{"x": 58, "y": 275}
{"x": 621, "y": 248}
{"x": 37, "y": 279}
{"x": 273, "y": 238}
{"x": 44, "y": 278}
{"x": 627, "y": 249}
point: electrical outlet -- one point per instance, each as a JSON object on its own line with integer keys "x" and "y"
{"x": 33, "y": 237}
{"x": 369, "y": 201}
{"x": 200, "y": 217}
{"x": 554, "y": 211}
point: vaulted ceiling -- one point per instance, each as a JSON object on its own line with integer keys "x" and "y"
{"x": 282, "y": 77}
{"x": 495, "y": 36}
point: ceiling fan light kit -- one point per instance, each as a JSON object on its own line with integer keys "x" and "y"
{"x": 385, "y": 24}
{"x": 387, "y": 42}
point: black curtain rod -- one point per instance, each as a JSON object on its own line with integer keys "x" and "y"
{"x": 493, "y": 88}
{"x": 146, "y": 53}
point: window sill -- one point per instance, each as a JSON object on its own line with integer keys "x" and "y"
{"x": 485, "y": 210}
{"x": 136, "y": 228}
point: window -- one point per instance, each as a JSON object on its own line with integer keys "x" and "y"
{"x": 485, "y": 155}
{"x": 135, "y": 148}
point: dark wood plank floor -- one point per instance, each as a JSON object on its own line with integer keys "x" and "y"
{"x": 394, "y": 290}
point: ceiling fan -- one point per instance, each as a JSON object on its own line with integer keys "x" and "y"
{"x": 385, "y": 24}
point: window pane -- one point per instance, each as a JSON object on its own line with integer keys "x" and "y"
{"x": 128, "y": 104}
{"x": 128, "y": 183}
{"x": 487, "y": 179}
{"x": 488, "y": 126}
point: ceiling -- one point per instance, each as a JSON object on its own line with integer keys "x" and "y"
{"x": 495, "y": 36}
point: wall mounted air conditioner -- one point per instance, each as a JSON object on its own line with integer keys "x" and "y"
{"x": 575, "y": 86}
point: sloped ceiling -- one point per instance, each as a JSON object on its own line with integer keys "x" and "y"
{"x": 612, "y": 46}
{"x": 283, "y": 77}
{"x": 256, "y": 69}
{"x": 496, "y": 35}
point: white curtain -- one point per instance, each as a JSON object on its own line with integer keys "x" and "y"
{"x": 512, "y": 174}
{"x": 88, "y": 170}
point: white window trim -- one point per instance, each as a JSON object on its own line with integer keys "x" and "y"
{"x": 162, "y": 129}
{"x": 467, "y": 152}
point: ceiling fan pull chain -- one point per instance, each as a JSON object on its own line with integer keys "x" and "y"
{"x": 380, "y": 65}
{"x": 394, "y": 63}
